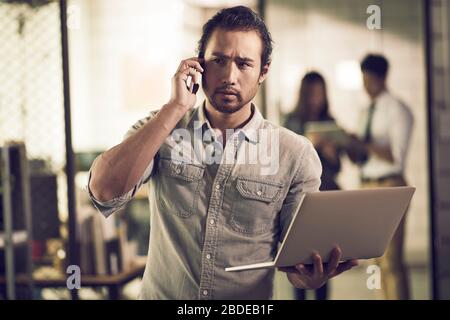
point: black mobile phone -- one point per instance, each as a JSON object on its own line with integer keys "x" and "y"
{"x": 197, "y": 85}
{"x": 195, "y": 88}
{"x": 191, "y": 86}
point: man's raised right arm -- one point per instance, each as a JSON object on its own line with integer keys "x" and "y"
{"x": 117, "y": 171}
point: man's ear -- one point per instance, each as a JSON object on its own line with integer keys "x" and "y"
{"x": 264, "y": 72}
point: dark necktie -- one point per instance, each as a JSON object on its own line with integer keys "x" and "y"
{"x": 367, "y": 133}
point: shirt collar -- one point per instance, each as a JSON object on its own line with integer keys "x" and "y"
{"x": 380, "y": 96}
{"x": 250, "y": 130}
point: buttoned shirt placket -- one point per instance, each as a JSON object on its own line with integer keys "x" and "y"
{"x": 213, "y": 222}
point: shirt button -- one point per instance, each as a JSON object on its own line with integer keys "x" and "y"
{"x": 211, "y": 222}
{"x": 259, "y": 192}
{"x": 208, "y": 256}
{"x": 205, "y": 292}
{"x": 217, "y": 186}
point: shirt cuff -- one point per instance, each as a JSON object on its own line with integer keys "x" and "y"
{"x": 107, "y": 208}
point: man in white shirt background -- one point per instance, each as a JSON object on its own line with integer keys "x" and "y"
{"x": 384, "y": 135}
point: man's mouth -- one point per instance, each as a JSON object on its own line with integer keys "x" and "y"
{"x": 227, "y": 94}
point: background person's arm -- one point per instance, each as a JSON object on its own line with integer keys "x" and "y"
{"x": 117, "y": 170}
{"x": 380, "y": 151}
{"x": 358, "y": 151}
{"x": 400, "y": 128}
{"x": 400, "y": 133}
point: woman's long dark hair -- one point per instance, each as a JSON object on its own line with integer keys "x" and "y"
{"x": 302, "y": 110}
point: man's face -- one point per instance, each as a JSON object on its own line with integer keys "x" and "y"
{"x": 373, "y": 83}
{"x": 232, "y": 69}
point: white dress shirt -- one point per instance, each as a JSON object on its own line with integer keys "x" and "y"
{"x": 392, "y": 124}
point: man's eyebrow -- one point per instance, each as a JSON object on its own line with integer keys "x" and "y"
{"x": 221, "y": 55}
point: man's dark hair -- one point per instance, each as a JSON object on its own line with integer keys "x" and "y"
{"x": 376, "y": 64}
{"x": 237, "y": 18}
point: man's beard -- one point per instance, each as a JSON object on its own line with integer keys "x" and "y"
{"x": 227, "y": 105}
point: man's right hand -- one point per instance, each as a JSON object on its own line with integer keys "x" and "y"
{"x": 181, "y": 96}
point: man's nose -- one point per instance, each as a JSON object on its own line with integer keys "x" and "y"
{"x": 230, "y": 74}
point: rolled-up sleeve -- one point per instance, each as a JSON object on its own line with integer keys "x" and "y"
{"x": 306, "y": 179}
{"x": 115, "y": 204}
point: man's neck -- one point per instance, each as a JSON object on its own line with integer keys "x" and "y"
{"x": 222, "y": 121}
{"x": 376, "y": 96}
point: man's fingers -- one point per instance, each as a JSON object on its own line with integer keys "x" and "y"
{"x": 184, "y": 76}
{"x": 347, "y": 265}
{"x": 190, "y": 63}
{"x": 186, "y": 64}
{"x": 342, "y": 268}
{"x": 197, "y": 77}
{"x": 287, "y": 269}
{"x": 333, "y": 263}
{"x": 318, "y": 266}
{"x": 303, "y": 270}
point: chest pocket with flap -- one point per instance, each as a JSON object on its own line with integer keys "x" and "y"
{"x": 179, "y": 186}
{"x": 255, "y": 205}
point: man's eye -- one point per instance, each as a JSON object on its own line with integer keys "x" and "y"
{"x": 217, "y": 60}
{"x": 243, "y": 65}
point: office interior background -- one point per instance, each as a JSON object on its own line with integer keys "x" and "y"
{"x": 69, "y": 91}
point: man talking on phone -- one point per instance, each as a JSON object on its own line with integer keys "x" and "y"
{"x": 214, "y": 202}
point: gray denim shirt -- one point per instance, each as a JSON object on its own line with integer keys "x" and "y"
{"x": 208, "y": 215}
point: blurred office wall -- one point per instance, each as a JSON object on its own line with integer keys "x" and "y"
{"x": 332, "y": 37}
{"x": 122, "y": 56}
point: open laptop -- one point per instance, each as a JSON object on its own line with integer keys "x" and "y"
{"x": 362, "y": 222}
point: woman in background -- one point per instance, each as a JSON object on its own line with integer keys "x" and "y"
{"x": 312, "y": 106}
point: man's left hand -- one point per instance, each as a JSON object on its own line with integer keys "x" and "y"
{"x": 316, "y": 275}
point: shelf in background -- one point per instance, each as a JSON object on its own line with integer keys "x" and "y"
{"x": 113, "y": 282}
